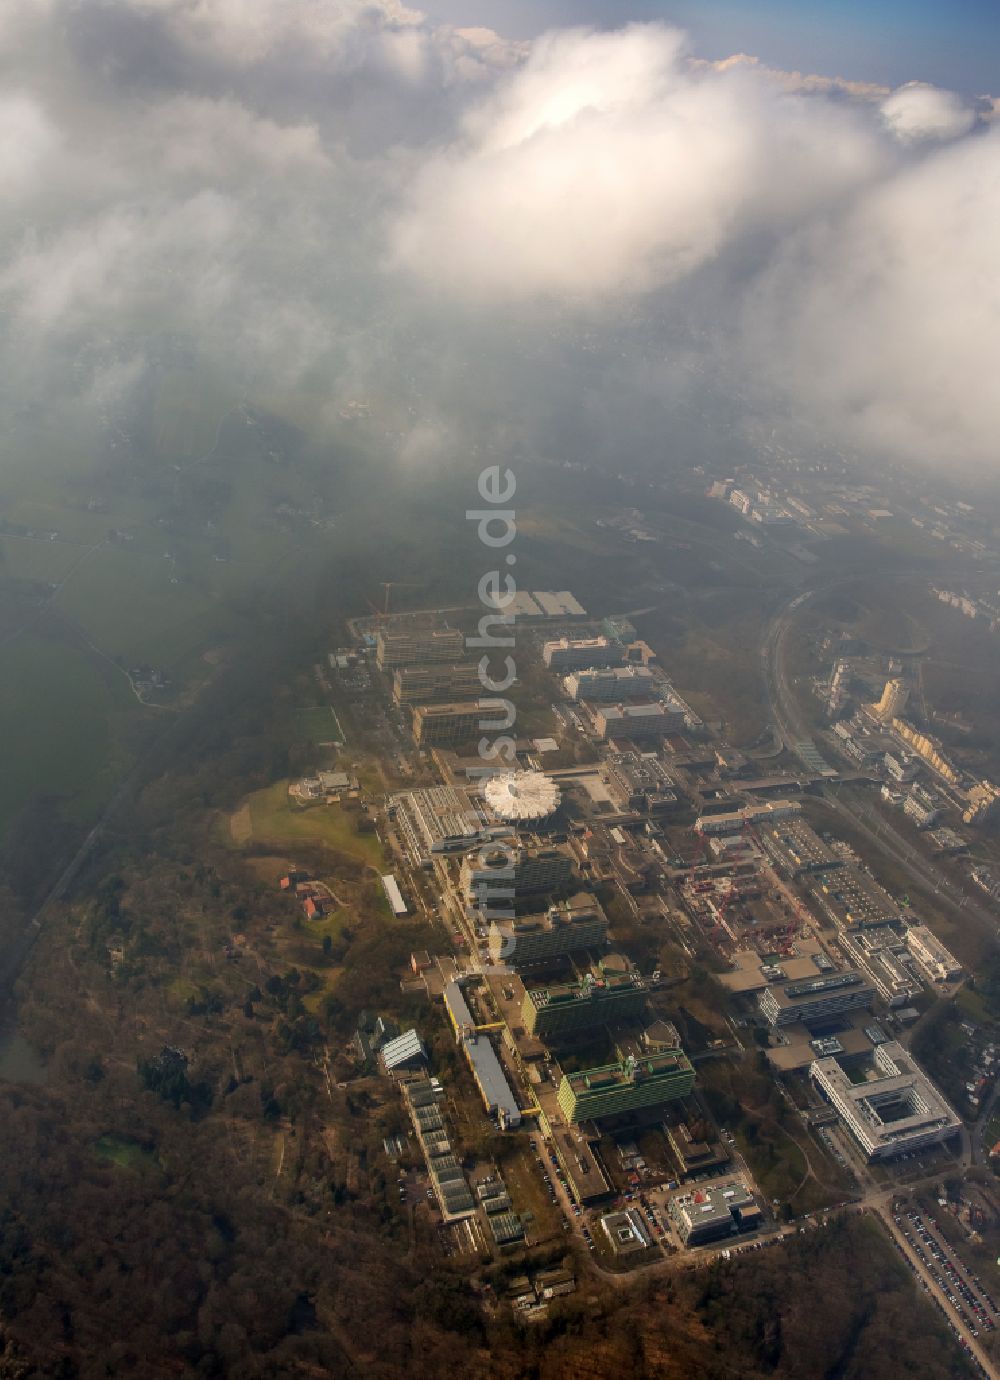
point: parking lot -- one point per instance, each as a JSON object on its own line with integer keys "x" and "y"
{"x": 964, "y": 1291}
{"x": 968, "y": 1308}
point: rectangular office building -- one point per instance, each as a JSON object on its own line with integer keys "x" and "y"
{"x": 437, "y": 683}
{"x": 449, "y": 725}
{"x": 566, "y": 655}
{"x": 417, "y": 648}
{"x": 897, "y": 1111}
{"x": 613, "y": 683}
{"x": 815, "y": 1000}
{"x": 638, "y": 721}
{"x": 710, "y": 1213}
{"x": 576, "y": 924}
{"x": 502, "y": 878}
{"x": 936, "y": 962}
{"x": 566, "y": 1007}
{"x": 634, "y": 1083}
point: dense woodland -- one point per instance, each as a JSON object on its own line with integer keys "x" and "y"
{"x": 191, "y": 1195}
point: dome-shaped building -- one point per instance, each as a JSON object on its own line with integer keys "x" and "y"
{"x": 522, "y": 797}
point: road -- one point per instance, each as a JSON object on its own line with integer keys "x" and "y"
{"x": 923, "y": 1271}
{"x": 792, "y": 726}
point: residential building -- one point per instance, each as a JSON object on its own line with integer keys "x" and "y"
{"x": 892, "y": 702}
{"x": 902, "y": 766}
{"x": 928, "y": 749}
{"x": 635, "y": 1082}
{"x": 921, "y": 807}
{"x": 983, "y": 804}
{"x": 895, "y": 1111}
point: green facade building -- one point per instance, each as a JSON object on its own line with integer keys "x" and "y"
{"x": 563, "y": 1008}
{"x": 627, "y": 1086}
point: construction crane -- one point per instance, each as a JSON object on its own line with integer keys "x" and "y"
{"x": 388, "y": 585}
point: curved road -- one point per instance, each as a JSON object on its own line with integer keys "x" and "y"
{"x": 792, "y": 726}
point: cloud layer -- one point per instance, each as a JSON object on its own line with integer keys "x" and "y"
{"x": 337, "y": 194}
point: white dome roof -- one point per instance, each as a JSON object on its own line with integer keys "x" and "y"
{"x": 522, "y": 795}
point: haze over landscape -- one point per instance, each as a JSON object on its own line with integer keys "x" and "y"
{"x": 303, "y": 193}
{"x": 502, "y": 440}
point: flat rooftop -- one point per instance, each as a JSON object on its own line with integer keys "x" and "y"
{"x": 896, "y": 1102}
{"x": 788, "y": 995}
{"x": 620, "y": 1075}
{"x": 852, "y": 898}
{"x": 797, "y": 847}
{"x": 566, "y": 993}
{"x": 579, "y": 909}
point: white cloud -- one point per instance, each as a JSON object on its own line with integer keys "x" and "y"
{"x": 885, "y": 323}
{"x": 604, "y": 166}
{"x": 515, "y": 242}
{"x": 916, "y": 112}
{"x": 27, "y": 140}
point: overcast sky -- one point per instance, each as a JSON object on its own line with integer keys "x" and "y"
{"x": 543, "y": 241}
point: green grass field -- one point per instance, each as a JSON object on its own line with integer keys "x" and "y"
{"x": 276, "y": 819}
{"x": 319, "y": 725}
{"x": 125, "y": 1153}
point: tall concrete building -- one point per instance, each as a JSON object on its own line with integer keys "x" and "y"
{"x": 649, "y": 1081}
{"x": 563, "y": 1008}
{"x": 983, "y": 803}
{"x": 437, "y": 683}
{"x": 450, "y": 725}
{"x": 576, "y": 924}
{"x": 501, "y": 876}
{"x": 566, "y": 655}
{"x": 638, "y": 721}
{"x": 611, "y": 683}
{"x": 418, "y": 647}
{"x": 815, "y": 1000}
{"x": 893, "y": 701}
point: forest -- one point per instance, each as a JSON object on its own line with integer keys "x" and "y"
{"x": 190, "y": 1192}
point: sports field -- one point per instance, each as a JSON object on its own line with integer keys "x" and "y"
{"x": 320, "y": 725}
